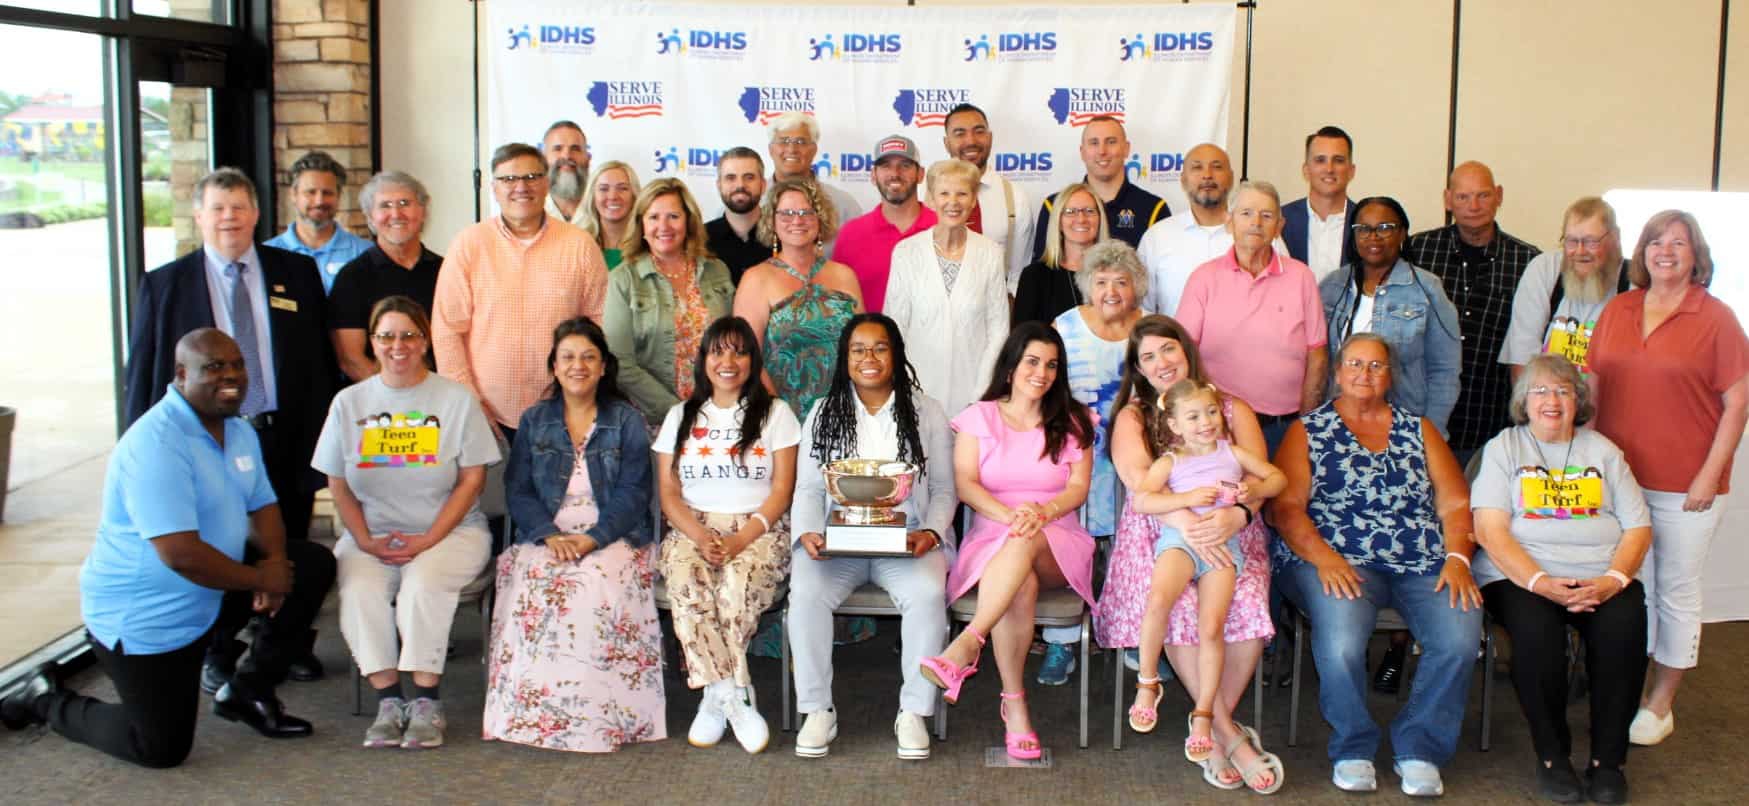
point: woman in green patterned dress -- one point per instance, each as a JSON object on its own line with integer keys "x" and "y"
{"x": 798, "y": 301}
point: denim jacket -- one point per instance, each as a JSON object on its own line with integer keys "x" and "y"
{"x": 618, "y": 456}
{"x": 639, "y": 322}
{"x": 1414, "y": 315}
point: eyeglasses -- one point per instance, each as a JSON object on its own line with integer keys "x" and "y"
{"x": 398, "y": 204}
{"x": 1581, "y": 243}
{"x": 795, "y": 214}
{"x": 1562, "y": 392}
{"x": 390, "y": 336}
{"x": 1076, "y": 212}
{"x": 859, "y": 352}
{"x": 1384, "y": 230}
{"x": 511, "y": 180}
{"x": 793, "y": 142}
{"x": 1371, "y": 367}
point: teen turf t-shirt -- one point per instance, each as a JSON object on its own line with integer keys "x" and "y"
{"x": 712, "y": 477}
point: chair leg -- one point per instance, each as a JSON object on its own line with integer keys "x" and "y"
{"x": 789, "y": 716}
{"x": 357, "y": 689}
{"x": 940, "y": 718}
{"x": 1117, "y": 698}
{"x": 1086, "y": 660}
{"x": 1293, "y": 705}
{"x": 1487, "y": 684}
{"x": 1257, "y": 699}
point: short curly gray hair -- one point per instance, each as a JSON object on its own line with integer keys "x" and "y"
{"x": 1544, "y": 369}
{"x": 1111, "y": 255}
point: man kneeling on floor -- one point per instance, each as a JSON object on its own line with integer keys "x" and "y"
{"x": 187, "y": 481}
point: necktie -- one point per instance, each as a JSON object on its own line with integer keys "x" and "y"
{"x": 243, "y": 330}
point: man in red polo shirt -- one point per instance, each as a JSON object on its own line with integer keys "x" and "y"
{"x": 865, "y": 243}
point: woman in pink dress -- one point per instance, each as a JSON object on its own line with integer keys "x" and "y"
{"x": 1160, "y": 354}
{"x": 1022, "y": 461}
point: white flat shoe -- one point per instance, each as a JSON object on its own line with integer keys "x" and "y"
{"x": 1649, "y": 729}
{"x": 1355, "y": 775}
{"x": 1420, "y": 778}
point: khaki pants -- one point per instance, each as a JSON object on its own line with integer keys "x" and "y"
{"x": 716, "y": 609}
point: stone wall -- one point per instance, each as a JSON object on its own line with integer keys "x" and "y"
{"x": 321, "y": 98}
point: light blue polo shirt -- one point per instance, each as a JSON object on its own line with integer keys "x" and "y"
{"x": 167, "y": 475}
{"x": 331, "y": 258}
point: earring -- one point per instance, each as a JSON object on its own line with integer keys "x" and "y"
{"x": 818, "y": 245}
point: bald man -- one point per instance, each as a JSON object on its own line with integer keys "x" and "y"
{"x": 1480, "y": 266}
{"x": 190, "y": 539}
{"x": 1173, "y": 248}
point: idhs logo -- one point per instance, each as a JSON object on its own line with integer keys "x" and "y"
{"x": 1011, "y": 47}
{"x": 1160, "y": 166}
{"x": 703, "y": 44}
{"x": 1167, "y": 46}
{"x": 855, "y": 48}
{"x": 668, "y": 160}
{"x": 564, "y": 39}
{"x": 1025, "y": 166}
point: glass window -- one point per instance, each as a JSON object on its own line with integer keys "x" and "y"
{"x": 176, "y": 147}
{"x": 218, "y": 11}
{"x": 91, "y": 7}
{"x": 55, "y": 235}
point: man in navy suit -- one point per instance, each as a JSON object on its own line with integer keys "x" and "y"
{"x": 1316, "y": 227}
{"x": 271, "y": 302}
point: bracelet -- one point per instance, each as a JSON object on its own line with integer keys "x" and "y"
{"x": 1531, "y": 585}
{"x": 1249, "y": 515}
{"x": 1619, "y": 577}
{"x": 760, "y": 516}
{"x": 934, "y": 539}
{"x": 1452, "y": 555}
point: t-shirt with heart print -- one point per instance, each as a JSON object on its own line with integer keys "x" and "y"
{"x": 712, "y": 477}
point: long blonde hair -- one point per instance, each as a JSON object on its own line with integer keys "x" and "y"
{"x": 592, "y": 219}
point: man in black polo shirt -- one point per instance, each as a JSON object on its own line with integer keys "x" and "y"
{"x": 394, "y": 204}
{"x": 741, "y": 183}
{"x": 1129, "y": 210}
{"x": 1480, "y": 266}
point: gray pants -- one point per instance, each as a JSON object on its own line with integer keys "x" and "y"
{"x": 918, "y": 587}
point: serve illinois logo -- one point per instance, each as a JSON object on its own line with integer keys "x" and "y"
{"x": 1075, "y": 106}
{"x": 616, "y": 100}
{"x": 761, "y": 104}
{"x": 922, "y": 107}
{"x": 551, "y": 38}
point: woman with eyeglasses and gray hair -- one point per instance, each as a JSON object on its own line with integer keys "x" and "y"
{"x": 1382, "y": 293}
{"x": 1563, "y": 528}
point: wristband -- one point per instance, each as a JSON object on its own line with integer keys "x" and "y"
{"x": 1452, "y": 555}
{"x": 760, "y": 516}
{"x": 1531, "y": 585}
{"x": 1249, "y": 515}
{"x": 1618, "y": 576}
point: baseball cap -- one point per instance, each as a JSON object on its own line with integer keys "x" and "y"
{"x": 896, "y": 145}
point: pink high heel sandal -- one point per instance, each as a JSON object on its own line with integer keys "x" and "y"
{"x": 949, "y": 676}
{"x": 1023, "y": 746}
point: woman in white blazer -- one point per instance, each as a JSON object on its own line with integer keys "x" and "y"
{"x": 949, "y": 292}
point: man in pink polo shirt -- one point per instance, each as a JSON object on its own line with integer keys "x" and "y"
{"x": 1257, "y": 318}
{"x": 865, "y": 243}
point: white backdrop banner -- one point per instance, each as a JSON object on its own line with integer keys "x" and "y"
{"x": 668, "y": 88}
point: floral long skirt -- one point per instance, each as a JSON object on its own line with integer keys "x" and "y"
{"x": 576, "y": 659}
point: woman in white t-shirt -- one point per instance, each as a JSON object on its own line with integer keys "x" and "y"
{"x": 726, "y": 470}
{"x": 405, "y": 452}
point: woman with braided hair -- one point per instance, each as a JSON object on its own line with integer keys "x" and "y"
{"x": 873, "y": 409}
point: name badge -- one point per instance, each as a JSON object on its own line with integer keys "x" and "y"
{"x": 283, "y": 304}
{"x": 1574, "y": 494}
{"x": 246, "y": 464}
{"x": 335, "y": 267}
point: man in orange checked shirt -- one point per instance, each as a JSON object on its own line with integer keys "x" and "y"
{"x": 506, "y": 283}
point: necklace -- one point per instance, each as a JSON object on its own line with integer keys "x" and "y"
{"x": 1537, "y": 444}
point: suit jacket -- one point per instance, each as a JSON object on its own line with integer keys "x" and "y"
{"x": 1296, "y": 220}
{"x": 173, "y": 300}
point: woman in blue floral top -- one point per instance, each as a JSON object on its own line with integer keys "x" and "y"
{"x": 1376, "y": 514}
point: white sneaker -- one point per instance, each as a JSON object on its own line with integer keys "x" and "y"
{"x": 742, "y": 709}
{"x": 913, "y": 734}
{"x": 1420, "y": 778}
{"x": 1355, "y": 775}
{"x": 1648, "y": 728}
{"x": 707, "y": 728}
{"x": 814, "y": 740}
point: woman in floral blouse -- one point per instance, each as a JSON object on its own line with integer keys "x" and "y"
{"x": 576, "y": 652}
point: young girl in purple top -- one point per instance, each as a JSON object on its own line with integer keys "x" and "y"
{"x": 1198, "y": 470}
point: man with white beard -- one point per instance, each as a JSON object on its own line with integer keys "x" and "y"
{"x": 1560, "y": 296}
{"x": 567, "y": 152}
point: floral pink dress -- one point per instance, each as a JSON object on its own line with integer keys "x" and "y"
{"x": 576, "y": 660}
{"x": 1117, "y": 620}
{"x": 1009, "y": 466}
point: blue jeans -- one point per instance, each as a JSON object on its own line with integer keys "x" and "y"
{"x": 1427, "y": 727}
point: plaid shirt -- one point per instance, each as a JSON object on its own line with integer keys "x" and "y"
{"x": 1483, "y": 297}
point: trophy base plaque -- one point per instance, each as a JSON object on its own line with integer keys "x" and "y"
{"x": 846, "y": 538}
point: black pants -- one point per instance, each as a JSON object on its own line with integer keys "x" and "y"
{"x": 1615, "y": 658}
{"x": 153, "y": 726}
{"x": 500, "y": 525}
{"x": 292, "y": 483}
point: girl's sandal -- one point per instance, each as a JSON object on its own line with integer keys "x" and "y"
{"x": 1143, "y": 719}
{"x": 1197, "y": 749}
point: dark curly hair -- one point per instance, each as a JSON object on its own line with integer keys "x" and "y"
{"x": 835, "y": 430}
{"x": 732, "y": 332}
{"x": 1063, "y": 415}
{"x": 581, "y": 326}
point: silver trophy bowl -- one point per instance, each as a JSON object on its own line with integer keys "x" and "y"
{"x": 869, "y": 489}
